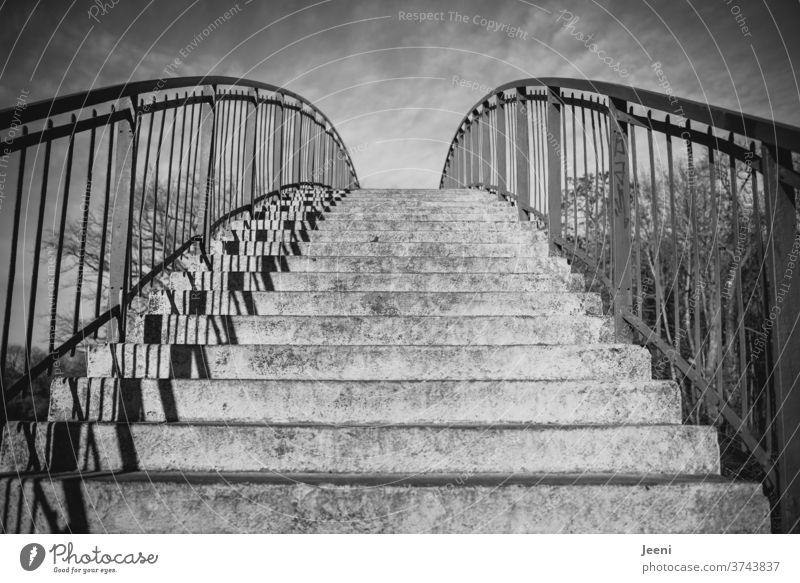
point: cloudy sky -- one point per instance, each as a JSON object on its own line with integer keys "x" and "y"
{"x": 390, "y": 82}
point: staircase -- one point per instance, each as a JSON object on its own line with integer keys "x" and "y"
{"x": 372, "y": 361}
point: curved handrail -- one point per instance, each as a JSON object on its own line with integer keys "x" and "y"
{"x": 177, "y": 170}
{"x": 45, "y": 108}
{"x": 654, "y": 230}
{"x": 752, "y": 126}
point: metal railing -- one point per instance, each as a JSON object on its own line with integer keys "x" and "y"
{"x": 684, "y": 215}
{"x": 118, "y": 183}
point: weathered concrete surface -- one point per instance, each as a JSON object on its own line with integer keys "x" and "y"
{"x": 367, "y": 330}
{"x": 157, "y": 503}
{"x": 380, "y": 249}
{"x": 371, "y": 402}
{"x": 514, "y": 237}
{"x": 647, "y": 449}
{"x": 466, "y": 392}
{"x": 386, "y": 225}
{"x": 386, "y": 303}
{"x": 533, "y": 362}
{"x": 397, "y": 282}
{"x": 377, "y": 215}
{"x": 302, "y": 264}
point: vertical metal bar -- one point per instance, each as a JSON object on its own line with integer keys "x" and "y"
{"x": 226, "y": 158}
{"x": 602, "y": 122}
{"x": 251, "y": 148}
{"x": 621, "y": 208}
{"x": 676, "y": 310}
{"x": 12, "y": 267}
{"x": 37, "y": 252}
{"x": 297, "y": 145}
{"x": 104, "y": 225}
{"x": 783, "y": 248}
{"x": 486, "y": 152}
{"x": 555, "y": 153}
{"x": 145, "y": 170}
{"x": 277, "y": 144}
{"x": 197, "y": 145}
{"x": 584, "y": 136}
{"x": 60, "y": 247}
{"x": 717, "y": 309}
{"x": 500, "y": 129}
{"x": 637, "y": 245}
{"x": 191, "y": 155}
{"x": 740, "y": 325}
{"x": 596, "y": 213}
{"x": 155, "y": 187}
{"x": 124, "y": 188}
{"x": 182, "y": 155}
{"x": 211, "y": 171}
{"x": 523, "y": 164}
{"x": 87, "y": 195}
{"x": 695, "y": 289}
{"x": 574, "y": 175}
{"x": 769, "y": 408}
{"x": 655, "y": 243}
{"x": 169, "y": 181}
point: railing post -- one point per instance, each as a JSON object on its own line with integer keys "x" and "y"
{"x": 211, "y": 179}
{"x": 486, "y": 146}
{"x": 782, "y": 253}
{"x": 621, "y": 217}
{"x": 297, "y": 143}
{"x": 461, "y": 168}
{"x": 276, "y": 140}
{"x": 251, "y": 148}
{"x": 500, "y": 142}
{"x": 555, "y": 151}
{"x": 521, "y": 153}
{"x": 124, "y": 161}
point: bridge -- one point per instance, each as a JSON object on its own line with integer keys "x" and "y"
{"x": 209, "y": 326}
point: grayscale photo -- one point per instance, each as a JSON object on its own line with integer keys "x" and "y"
{"x": 390, "y": 267}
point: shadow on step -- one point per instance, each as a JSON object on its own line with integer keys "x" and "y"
{"x": 28, "y": 509}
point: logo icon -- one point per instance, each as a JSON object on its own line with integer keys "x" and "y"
{"x": 31, "y": 556}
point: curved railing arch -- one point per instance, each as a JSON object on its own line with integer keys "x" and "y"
{"x": 127, "y": 179}
{"x": 696, "y": 245}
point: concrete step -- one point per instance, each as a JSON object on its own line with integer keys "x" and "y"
{"x": 410, "y": 215}
{"x": 471, "y": 205}
{"x": 375, "y": 303}
{"x": 379, "y": 249}
{"x": 387, "y": 225}
{"x": 377, "y": 215}
{"x": 399, "y": 282}
{"x": 365, "y": 402}
{"x": 372, "y": 330}
{"x": 250, "y": 503}
{"x": 522, "y": 362}
{"x": 640, "y": 449}
{"x": 512, "y": 236}
{"x": 303, "y": 264}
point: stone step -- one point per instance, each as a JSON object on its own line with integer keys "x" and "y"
{"x": 181, "y": 502}
{"x": 377, "y": 215}
{"x": 379, "y": 249}
{"x": 375, "y": 303}
{"x": 372, "y": 330}
{"x": 365, "y": 402}
{"x": 640, "y": 449}
{"x": 522, "y": 362}
{"x": 399, "y": 282}
{"x": 303, "y": 264}
{"x": 512, "y": 236}
{"x": 472, "y": 205}
{"x": 388, "y": 225}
